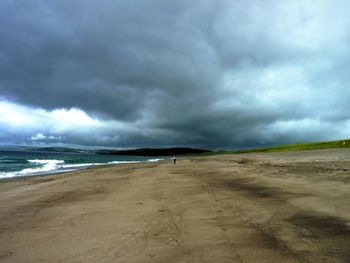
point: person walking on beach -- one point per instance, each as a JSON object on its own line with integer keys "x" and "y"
{"x": 174, "y": 158}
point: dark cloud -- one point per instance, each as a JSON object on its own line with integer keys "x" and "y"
{"x": 218, "y": 74}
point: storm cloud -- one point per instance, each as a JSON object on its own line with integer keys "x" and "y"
{"x": 212, "y": 74}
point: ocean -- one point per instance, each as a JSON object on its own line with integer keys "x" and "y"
{"x": 15, "y": 163}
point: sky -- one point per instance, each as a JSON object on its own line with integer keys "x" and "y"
{"x": 215, "y": 74}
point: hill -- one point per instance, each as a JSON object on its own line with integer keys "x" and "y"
{"x": 154, "y": 152}
{"x": 293, "y": 147}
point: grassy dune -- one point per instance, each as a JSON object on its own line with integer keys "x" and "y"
{"x": 292, "y": 147}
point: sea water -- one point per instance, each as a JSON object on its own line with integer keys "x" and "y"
{"x": 14, "y": 163}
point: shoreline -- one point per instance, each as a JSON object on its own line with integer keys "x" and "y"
{"x": 228, "y": 208}
{"x": 77, "y": 168}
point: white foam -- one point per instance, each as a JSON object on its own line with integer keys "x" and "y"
{"x": 77, "y": 165}
{"x": 154, "y": 160}
{"x": 8, "y": 175}
{"x": 48, "y": 166}
{"x": 149, "y": 160}
{"x": 39, "y": 161}
{"x": 120, "y": 162}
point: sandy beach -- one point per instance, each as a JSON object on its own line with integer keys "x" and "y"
{"x": 280, "y": 207}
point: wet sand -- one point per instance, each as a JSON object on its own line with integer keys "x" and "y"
{"x": 281, "y": 207}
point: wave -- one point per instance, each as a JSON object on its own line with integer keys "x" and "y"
{"x": 7, "y": 160}
{"x": 46, "y": 166}
{"x": 149, "y": 160}
{"x": 8, "y": 175}
{"x": 40, "y": 161}
{"x": 78, "y": 165}
{"x": 154, "y": 160}
{"x": 82, "y": 165}
{"x": 55, "y": 166}
{"x": 121, "y": 162}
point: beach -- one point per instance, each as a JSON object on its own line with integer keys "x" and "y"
{"x": 267, "y": 207}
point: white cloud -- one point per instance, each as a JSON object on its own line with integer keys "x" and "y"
{"x": 38, "y": 137}
{"x": 34, "y": 124}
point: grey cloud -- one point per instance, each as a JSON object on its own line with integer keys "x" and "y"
{"x": 215, "y": 74}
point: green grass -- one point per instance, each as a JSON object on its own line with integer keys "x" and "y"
{"x": 291, "y": 147}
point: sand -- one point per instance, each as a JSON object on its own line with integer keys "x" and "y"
{"x": 281, "y": 207}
